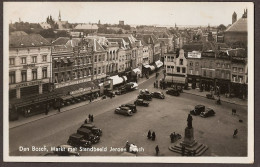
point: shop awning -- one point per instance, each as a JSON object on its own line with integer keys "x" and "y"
{"x": 147, "y": 66}
{"x": 116, "y": 80}
{"x": 159, "y": 63}
{"x": 174, "y": 79}
{"x": 137, "y": 71}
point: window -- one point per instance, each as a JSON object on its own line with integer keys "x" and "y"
{"x": 228, "y": 66}
{"x": 227, "y": 76}
{"x": 197, "y": 63}
{"x": 11, "y": 77}
{"x": 190, "y": 71}
{"x": 234, "y": 69}
{"x": 181, "y": 61}
{"x": 44, "y": 72}
{"x": 95, "y": 58}
{"x": 210, "y": 74}
{"x": 99, "y": 58}
{"x": 204, "y": 73}
{"x": 103, "y": 69}
{"x": 191, "y": 63}
{"x": 99, "y": 70}
{"x": 23, "y": 59}
{"x": 56, "y": 78}
{"x": 62, "y": 76}
{"x": 44, "y": 58}
{"x": 222, "y": 75}
{"x": 34, "y": 59}
{"x": 11, "y": 61}
{"x": 234, "y": 77}
{"x": 183, "y": 70}
{"x": 24, "y": 76}
{"x": 95, "y": 71}
{"x": 68, "y": 75}
{"x": 240, "y": 79}
{"x": 240, "y": 70}
{"x": 197, "y": 72}
{"x": 178, "y": 69}
{"x": 218, "y": 64}
{"x": 34, "y": 74}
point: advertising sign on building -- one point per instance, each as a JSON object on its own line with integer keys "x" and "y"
{"x": 194, "y": 54}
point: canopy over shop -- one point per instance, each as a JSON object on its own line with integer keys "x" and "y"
{"x": 118, "y": 80}
{"x": 159, "y": 64}
{"x": 175, "y": 80}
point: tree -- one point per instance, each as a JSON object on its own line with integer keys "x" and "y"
{"x": 221, "y": 27}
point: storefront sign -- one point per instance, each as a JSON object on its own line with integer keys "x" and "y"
{"x": 194, "y": 54}
{"x": 71, "y": 83}
{"x": 32, "y": 83}
{"x": 81, "y": 90}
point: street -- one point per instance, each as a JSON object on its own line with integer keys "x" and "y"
{"x": 162, "y": 116}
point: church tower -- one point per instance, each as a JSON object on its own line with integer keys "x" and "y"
{"x": 234, "y": 17}
{"x": 59, "y": 16}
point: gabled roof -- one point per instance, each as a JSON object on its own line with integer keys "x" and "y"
{"x": 92, "y": 42}
{"x": 86, "y": 27}
{"x": 239, "y": 26}
{"x": 31, "y": 40}
{"x": 18, "y": 33}
{"x": 66, "y": 41}
{"x": 148, "y": 38}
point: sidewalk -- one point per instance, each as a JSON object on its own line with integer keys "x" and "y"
{"x": 222, "y": 97}
{"x": 23, "y": 120}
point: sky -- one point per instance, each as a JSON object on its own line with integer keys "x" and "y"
{"x": 133, "y": 13}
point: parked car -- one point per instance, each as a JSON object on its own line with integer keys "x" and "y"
{"x": 197, "y": 110}
{"x": 65, "y": 150}
{"x": 141, "y": 102}
{"x": 173, "y": 92}
{"x": 93, "y": 128}
{"x": 158, "y": 95}
{"x": 110, "y": 93}
{"x": 145, "y": 96}
{"x": 78, "y": 140}
{"x": 207, "y": 113}
{"x": 131, "y": 86}
{"x": 88, "y": 135}
{"x": 124, "y": 111}
{"x": 131, "y": 106}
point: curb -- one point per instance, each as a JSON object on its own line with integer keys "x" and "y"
{"x": 222, "y": 100}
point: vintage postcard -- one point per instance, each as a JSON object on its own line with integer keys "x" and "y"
{"x": 153, "y": 82}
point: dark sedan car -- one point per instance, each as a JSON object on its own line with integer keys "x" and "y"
{"x": 207, "y": 113}
{"x": 78, "y": 140}
{"x": 131, "y": 106}
{"x": 173, "y": 92}
{"x": 145, "y": 96}
{"x": 141, "y": 102}
{"x": 197, "y": 110}
{"x": 93, "y": 128}
{"x": 124, "y": 111}
{"x": 158, "y": 95}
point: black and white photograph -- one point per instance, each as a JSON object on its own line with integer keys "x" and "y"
{"x": 153, "y": 82}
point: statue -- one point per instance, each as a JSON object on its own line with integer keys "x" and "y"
{"x": 189, "y": 120}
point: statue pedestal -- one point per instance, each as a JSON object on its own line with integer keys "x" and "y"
{"x": 189, "y": 140}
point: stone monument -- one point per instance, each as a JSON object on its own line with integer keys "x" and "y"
{"x": 190, "y": 145}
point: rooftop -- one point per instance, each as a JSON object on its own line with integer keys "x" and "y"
{"x": 32, "y": 40}
{"x": 239, "y": 26}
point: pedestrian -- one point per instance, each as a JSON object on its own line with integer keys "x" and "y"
{"x": 59, "y": 107}
{"x": 92, "y": 118}
{"x": 89, "y": 117}
{"x": 127, "y": 146}
{"x": 172, "y": 138}
{"x": 149, "y": 135}
{"x": 153, "y": 136}
{"x": 90, "y": 99}
{"x": 157, "y": 150}
{"x": 47, "y": 109}
{"x": 235, "y": 133}
{"x": 183, "y": 150}
{"x": 154, "y": 84}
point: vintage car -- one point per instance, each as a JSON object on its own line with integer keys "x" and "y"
{"x": 124, "y": 111}
{"x": 109, "y": 93}
{"x": 141, "y": 102}
{"x": 93, "y": 128}
{"x": 207, "y": 113}
{"x": 131, "y": 86}
{"x": 173, "y": 92}
{"x": 66, "y": 150}
{"x": 144, "y": 91}
{"x": 158, "y": 95}
{"x": 131, "y": 106}
{"x": 197, "y": 110}
{"x": 88, "y": 135}
{"x": 145, "y": 96}
{"x": 78, "y": 140}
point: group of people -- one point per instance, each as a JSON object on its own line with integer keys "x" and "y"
{"x": 151, "y": 135}
{"x": 91, "y": 118}
{"x": 174, "y": 137}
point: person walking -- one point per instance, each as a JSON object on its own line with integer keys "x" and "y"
{"x": 157, "y": 150}
{"x": 127, "y": 146}
{"x": 149, "y": 135}
{"x": 235, "y": 133}
{"x": 92, "y": 118}
{"x": 47, "y": 109}
{"x": 183, "y": 150}
{"x": 154, "y": 84}
{"x": 89, "y": 117}
{"x": 59, "y": 107}
{"x": 153, "y": 136}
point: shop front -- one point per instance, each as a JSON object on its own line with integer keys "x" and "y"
{"x": 173, "y": 80}
{"x": 193, "y": 81}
